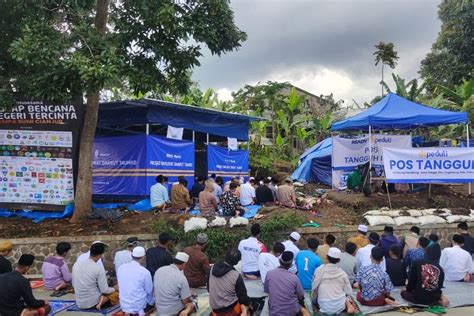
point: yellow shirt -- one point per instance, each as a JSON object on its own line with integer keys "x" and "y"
{"x": 322, "y": 252}
{"x": 360, "y": 240}
{"x": 179, "y": 197}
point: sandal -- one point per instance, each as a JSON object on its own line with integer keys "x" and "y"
{"x": 407, "y": 310}
{"x": 436, "y": 309}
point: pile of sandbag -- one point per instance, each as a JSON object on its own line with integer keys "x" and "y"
{"x": 385, "y": 216}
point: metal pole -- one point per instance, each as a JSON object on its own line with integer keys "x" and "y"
{"x": 468, "y": 145}
{"x": 332, "y": 160}
{"x": 193, "y": 136}
{"x": 207, "y": 138}
{"x": 370, "y": 154}
{"x": 147, "y": 129}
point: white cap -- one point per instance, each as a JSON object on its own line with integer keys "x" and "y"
{"x": 98, "y": 242}
{"x": 296, "y": 236}
{"x": 334, "y": 253}
{"x": 362, "y": 228}
{"x": 182, "y": 256}
{"x": 138, "y": 252}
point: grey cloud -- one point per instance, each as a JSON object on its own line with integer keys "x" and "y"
{"x": 338, "y": 35}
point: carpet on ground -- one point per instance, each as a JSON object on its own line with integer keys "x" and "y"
{"x": 58, "y": 306}
{"x": 104, "y": 311}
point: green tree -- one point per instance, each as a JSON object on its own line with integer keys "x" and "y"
{"x": 385, "y": 55}
{"x": 452, "y": 55}
{"x": 69, "y": 48}
{"x": 411, "y": 90}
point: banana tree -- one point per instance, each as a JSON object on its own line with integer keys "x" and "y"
{"x": 411, "y": 90}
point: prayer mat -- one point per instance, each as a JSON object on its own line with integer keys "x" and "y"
{"x": 59, "y": 306}
{"x": 36, "y": 284}
{"x": 105, "y": 311}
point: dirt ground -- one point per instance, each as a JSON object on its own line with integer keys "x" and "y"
{"x": 336, "y": 208}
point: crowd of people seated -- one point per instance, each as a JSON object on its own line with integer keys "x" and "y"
{"x": 154, "y": 279}
{"x": 213, "y": 196}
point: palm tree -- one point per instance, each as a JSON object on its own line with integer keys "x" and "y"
{"x": 386, "y": 55}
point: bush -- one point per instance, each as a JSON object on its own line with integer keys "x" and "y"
{"x": 221, "y": 239}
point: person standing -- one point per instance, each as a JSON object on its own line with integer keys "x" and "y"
{"x": 90, "y": 283}
{"x": 286, "y": 295}
{"x": 292, "y": 245}
{"x": 363, "y": 255}
{"x": 286, "y": 194}
{"x": 456, "y": 262}
{"x": 250, "y": 249}
{"x": 360, "y": 239}
{"x": 410, "y": 240}
{"x": 307, "y": 261}
{"x": 6, "y": 247}
{"x": 159, "y": 196}
{"x": 396, "y": 269}
{"x": 331, "y": 288}
{"x": 227, "y": 291}
{"x": 16, "y": 295}
{"x": 125, "y": 256}
{"x": 269, "y": 261}
{"x": 159, "y": 256}
{"x": 426, "y": 281}
{"x": 323, "y": 249}
{"x": 416, "y": 254}
{"x": 172, "y": 293}
{"x": 197, "y": 268}
{"x": 56, "y": 275}
{"x": 348, "y": 262}
{"x": 247, "y": 193}
{"x": 387, "y": 240}
{"x": 135, "y": 284}
{"x": 435, "y": 246}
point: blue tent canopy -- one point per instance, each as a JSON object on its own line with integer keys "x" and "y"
{"x": 395, "y": 112}
{"x": 147, "y": 111}
{"x": 315, "y": 164}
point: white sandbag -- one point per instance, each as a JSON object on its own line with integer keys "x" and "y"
{"x": 428, "y": 211}
{"x": 298, "y": 184}
{"x": 444, "y": 212}
{"x": 238, "y": 221}
{"x": 431, "y": 219}
{"x": 415, "y": 213}
{"x": 375, "y": 220}
{"x": 393, "y": 213}
{"x": 195, "y": 223}
{"x": 457, "y": 218}
{"x": 218, "y": 221}
{"x": 406, "y": 220}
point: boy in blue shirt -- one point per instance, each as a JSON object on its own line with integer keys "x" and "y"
{"x": 307, "y": 261}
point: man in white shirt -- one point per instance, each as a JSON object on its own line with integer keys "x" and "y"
{"x": 135, "y": 284}
{"x": 247, "y": 193}
{"x": 270, "y": 260}
{"x": 456, "y": 262}
{"x": 85, "y": 256}
{"x": 291, "y": 245}
{"x": 89, "y": 280}
{"x": 125, "y": 256}
{"x": 250, "y": 249}
{"x": 364, "y": 253}
{"x": 159, "y": 193}
{"x": 172, "y": 293}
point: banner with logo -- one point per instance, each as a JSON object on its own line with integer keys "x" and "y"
{"x": 171, "y": 158}
{"x": 227, "y": 163}
{"x": 119, "y": 165}
{"x": 348, "y": 153}
{"x": 38, "y": 154}
{"x": 429, "y": 165}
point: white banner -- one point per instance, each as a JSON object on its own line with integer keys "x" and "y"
{"x": 175, "y": 132}
{"x": 429, "y": 165}
{"x": 232, "y": 143}
{"x": 351, "y": 152}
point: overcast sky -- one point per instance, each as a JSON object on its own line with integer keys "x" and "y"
{"x": 322, "y": 46}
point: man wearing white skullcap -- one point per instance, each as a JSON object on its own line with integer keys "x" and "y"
{"x": 135, "y": 284}
{"x": 360, "y": 239}
{"x": 172, "y": 293}
{"x": 291, "y": 245}
{"x": 331, "y": 286}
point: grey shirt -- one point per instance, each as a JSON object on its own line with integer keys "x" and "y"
{"x": 89, "y": 282}
{"x": 171, "y": 287}
{"x": 348, "y": 264}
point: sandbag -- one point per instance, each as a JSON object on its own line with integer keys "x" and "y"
{"x": 375, "y": 220}
{"x": 195, "y": 223}
{"x": 218, "y": 221}
{"x": 238, "y": 221}
{"x": 406, "y": 220}
{"x": 431, "y": 219}
{"x": 393, "y": 213}
{"x": 428, "y": 211}
{"x": 457, "y": 218}
{"x": 415, "y": 213}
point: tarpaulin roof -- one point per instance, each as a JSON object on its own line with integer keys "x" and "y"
{"x": 395, "y": 112}
{"x": 148, "y": 111}
{"x": 315, "y": 164}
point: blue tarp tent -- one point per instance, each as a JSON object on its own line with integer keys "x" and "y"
{"x": 395, "y": 112}
{"x": 315, "y": 164}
